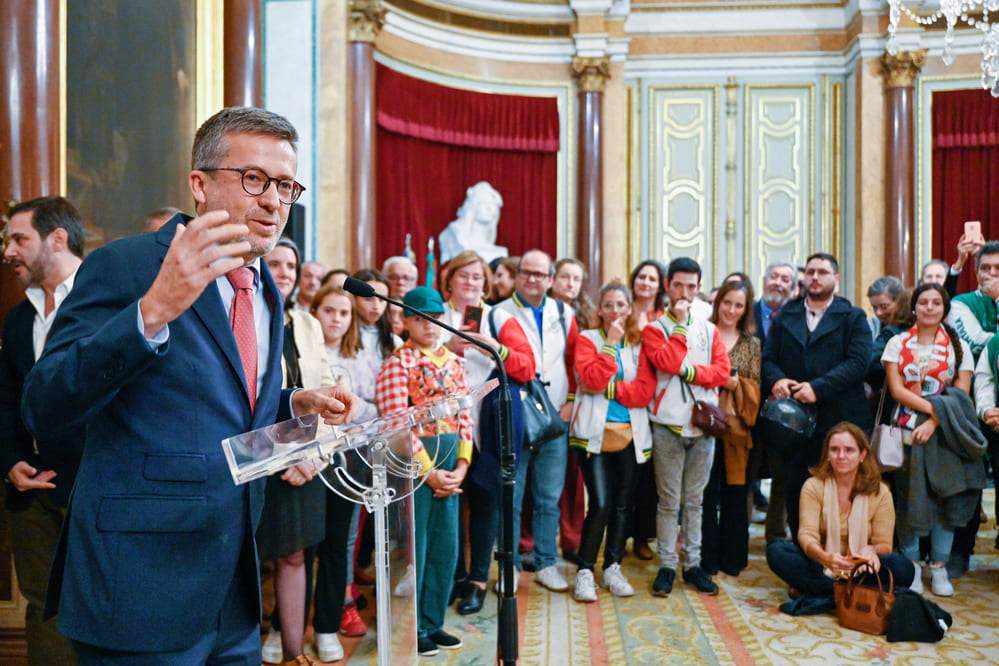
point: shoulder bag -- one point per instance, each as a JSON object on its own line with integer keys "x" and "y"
{"x": 710, "y": 419}
{"x": 863, "y": 607}
{"x": 542, "y": 422}
{"x": 886, "y": 441}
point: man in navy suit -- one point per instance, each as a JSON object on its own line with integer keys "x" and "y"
{"x": 157, "y": 552}
{"x": 45, "y": 249}
{"x": 817, "y": 352}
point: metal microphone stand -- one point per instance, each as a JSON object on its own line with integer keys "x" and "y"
{"x": 507, "y": 640}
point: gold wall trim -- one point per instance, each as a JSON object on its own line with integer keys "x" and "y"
{"x": 63, "y": 98}
{"x": 836, "y": 94}
{"x": 209, "y": 83}
{"x": 560, "y": 29}
{"x": 564, "y": 93}
{"x": 634, "y": 176}
{"x": 665, "y": 6}
{"x": 925, "y": 87}
{"x": 802, "y": 237}
{"x": 701, "y": 241}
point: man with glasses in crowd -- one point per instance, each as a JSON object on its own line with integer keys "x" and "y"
{"x": 817, "y": 352}
{"x": 401, "y": 274}
{"x": 550, "y": 327}
{"x": 169, "y": 343}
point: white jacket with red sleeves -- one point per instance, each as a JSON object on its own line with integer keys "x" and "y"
{"x": 693, "y": 353}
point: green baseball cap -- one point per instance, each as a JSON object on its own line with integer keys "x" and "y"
{"x": 424, "y": 299}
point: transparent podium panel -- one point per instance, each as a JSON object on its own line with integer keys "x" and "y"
{"x": 372, "y": 464}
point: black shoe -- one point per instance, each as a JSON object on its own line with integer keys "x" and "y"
{"x": 699, "y": 579}
{"x": 571, "y": 556}
{"x": 473, "y": 601}
{"x": 527, "y": 562}
{"x": 459, "y": 590}
{"x": 664, "y": 582}
{"x": 445, "y": 640}
{"x": 425, "y": 647}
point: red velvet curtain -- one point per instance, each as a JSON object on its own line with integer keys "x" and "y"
{"x": 435, "y": 142}
{"x": 965, "y": 171}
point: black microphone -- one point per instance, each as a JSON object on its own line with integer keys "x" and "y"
{"x": 507, "y": 618}
{"x": 361, "y": 288}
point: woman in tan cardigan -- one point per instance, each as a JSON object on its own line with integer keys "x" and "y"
{"x": 847, "y": 517}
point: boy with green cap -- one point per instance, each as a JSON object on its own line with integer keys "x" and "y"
{"x": 420, "y": 371}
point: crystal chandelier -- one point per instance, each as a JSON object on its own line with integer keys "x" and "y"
{"x": 954, "y": 10}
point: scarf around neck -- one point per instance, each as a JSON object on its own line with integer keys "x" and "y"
{"x": 924, "y": 375}
{"x": 857, "y": 525}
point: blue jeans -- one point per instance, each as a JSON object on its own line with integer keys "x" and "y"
{"x": 547, "y": 464}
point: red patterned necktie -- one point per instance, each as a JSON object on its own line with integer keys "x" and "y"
{"x": 244, "y": 327}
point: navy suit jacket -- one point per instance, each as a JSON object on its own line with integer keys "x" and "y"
{"x": 156, "y": 530}
{"x": 16, "y": 444}
{"x": 833, "y": 359}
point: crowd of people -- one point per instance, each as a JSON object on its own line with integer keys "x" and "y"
{"x": 624, "y": 372}
{"x": 166, "y": 343}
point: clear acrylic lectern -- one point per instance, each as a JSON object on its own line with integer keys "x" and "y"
{"x": 372, "y": 464}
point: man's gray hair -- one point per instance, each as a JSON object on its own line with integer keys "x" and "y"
{"x": 778, "y": 264}
{"x": 210, "y": 146}
{"x": 391, "y": 261}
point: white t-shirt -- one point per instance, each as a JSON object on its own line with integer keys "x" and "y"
{"x": 893, "y": 352}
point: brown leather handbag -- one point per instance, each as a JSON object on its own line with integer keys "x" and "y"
{"x": 710, "y": 419}
{"x": 864, "y": 607}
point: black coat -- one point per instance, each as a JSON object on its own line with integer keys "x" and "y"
{"x": 16, "y": 444}
{"x": 833, "y": 359}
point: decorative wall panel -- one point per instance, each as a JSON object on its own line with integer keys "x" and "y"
{"x": 779, "y": 149}
{"x": 683, "y": 172}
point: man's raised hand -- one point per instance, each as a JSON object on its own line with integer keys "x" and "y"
{"x": 208, "y": 247}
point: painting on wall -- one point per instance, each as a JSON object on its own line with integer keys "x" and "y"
{"x": 130, "y": 69}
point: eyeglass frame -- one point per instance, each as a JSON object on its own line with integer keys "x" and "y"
{"x": 535, "y": 275}
{"x": 242, "y": 181}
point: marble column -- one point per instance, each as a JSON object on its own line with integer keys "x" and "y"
{"x": 365, "y": 21}
{"x": 243, "y": 82}
{"x": 900, "y": 73}
{"x": 591, "y": 76}
{"x": 30, "y": 160}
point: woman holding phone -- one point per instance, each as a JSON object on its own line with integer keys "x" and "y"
{"x": 465, "y": 282}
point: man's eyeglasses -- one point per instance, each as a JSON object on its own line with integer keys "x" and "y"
{"x": 533, "y": 275}
{"x": 401, "y": 278}
{"x": 255, "y": 182}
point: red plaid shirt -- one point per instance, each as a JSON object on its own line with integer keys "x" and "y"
{"x": 410, "y": 377}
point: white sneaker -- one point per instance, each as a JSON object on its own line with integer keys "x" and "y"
{"x": 585, "y": 589}
{"x": 271, "y": 649}
{"x": 917, "y": 580}
{"x": 615, "y": 581}
{"x": 328, "y": 647}
{"x": 550, "y": 577}
{"x": 407, "y": 586}
{"x": 939, "y": 581}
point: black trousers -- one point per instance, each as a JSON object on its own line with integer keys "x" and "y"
{"x": 610, "y": 484}
{"x": 724, "y": 522}
{"x": 331, "y": 575}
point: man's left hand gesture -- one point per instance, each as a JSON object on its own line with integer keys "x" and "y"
{"x": 335, "y": 405}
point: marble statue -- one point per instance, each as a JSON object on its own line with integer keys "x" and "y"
{"x": 475, "y": 228}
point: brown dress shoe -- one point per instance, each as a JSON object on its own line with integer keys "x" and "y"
{"x": 642, "y": 551}
{"x": 301, "y": 660}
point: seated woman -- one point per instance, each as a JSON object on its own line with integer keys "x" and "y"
{"x": 847, "y": 516}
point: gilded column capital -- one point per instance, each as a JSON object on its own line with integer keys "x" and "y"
{"x": 365, "y": 21}
{"x": 591, "y": 74}
{"x": 900, "y": 70}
